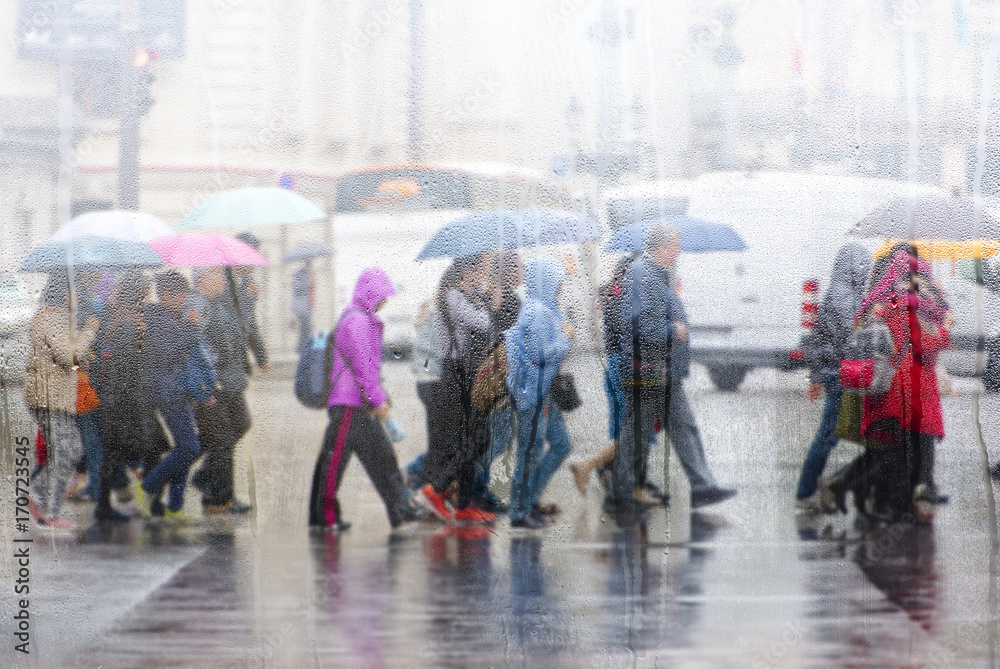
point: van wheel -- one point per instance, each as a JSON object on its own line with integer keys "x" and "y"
{"x": 728, "y": 378}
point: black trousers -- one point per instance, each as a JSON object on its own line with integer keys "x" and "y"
{"x": 220, "y": 427}
{"x": 463, "y": 435}
{"x": 354, "y": 431}
{"x": 645, "y": 405}
{"x": 891, "y": 474}
{"x": 131, "y": 435}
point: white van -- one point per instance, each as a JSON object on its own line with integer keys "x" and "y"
{"x": 385, "y": 215}
{"x": 745, "y": 309}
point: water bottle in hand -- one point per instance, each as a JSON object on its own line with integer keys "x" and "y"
{"x": 394, "y": 430}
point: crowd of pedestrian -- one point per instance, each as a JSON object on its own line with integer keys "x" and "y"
{"x": 490, "y": 375}
{"x": 136, "y": 392}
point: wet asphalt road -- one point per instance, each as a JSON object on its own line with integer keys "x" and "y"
{"x": 747, "y": 583}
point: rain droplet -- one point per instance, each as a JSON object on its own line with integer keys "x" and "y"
{"x": 396, "y": 353}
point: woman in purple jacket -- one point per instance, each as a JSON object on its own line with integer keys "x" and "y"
{"x": 358, "y": 407}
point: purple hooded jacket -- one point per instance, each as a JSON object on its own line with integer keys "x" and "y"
{"x": 359, "y": 342}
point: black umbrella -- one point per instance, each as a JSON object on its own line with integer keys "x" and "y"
{"x": 934, "y": 217}
{"x": 307, "y": 251}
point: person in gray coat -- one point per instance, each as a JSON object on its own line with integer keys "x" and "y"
{"x": 824, "y": 348}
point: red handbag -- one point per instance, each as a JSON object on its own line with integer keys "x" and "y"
{"x": 857, "y": 374}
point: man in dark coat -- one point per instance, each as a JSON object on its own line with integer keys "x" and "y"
{"x": 651, "y": 342}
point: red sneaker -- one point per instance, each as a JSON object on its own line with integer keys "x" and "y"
{"x": 475, "y": 515}
{"x": 435, "y": 502}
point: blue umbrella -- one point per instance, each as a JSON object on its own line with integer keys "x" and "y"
{"x": 91, "y": 253}
{"x": 697, "y": 236}
{"x": 508, "y": 228}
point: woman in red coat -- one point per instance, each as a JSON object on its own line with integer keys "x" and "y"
{"x": 907, "y": 419}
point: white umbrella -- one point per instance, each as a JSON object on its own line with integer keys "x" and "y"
{"x": 132, "y": 226}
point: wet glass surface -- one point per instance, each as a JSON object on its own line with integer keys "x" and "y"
{"x": 549, "y": 333}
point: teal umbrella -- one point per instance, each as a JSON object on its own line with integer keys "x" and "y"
{"x": 91, "y": 253}
{"x": 251, "y": 207}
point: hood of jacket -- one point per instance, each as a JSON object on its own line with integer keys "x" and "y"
{"x": 847, "y": 282}
{"x": 541, "y": 280}
{"x": 372, "y": 287}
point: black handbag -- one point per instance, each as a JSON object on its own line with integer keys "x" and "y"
{"x": 564, "y": 393}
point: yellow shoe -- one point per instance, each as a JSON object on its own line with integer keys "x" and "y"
{"x": 141, "y": 498}
{"x": 178, "y": 517}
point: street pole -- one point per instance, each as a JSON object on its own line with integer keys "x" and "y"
{"x": 64, "y": 188}
{"x": 414, "y": 130}
{"x": 128, "y": 132}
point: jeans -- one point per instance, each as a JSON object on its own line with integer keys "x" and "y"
{"x": 93, "y": 451}
{"x": 824, "y": 441}
{"x": 501, "y": 428}
{"x": 534, "y": 465}
{"x": 173, "y": 469}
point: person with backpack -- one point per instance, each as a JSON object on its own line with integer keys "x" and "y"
{"x": 536, "y": 346}
{"x": 359, "y": 411}
{"x": 825, "y": 347}
{"x": 893, "y": 479}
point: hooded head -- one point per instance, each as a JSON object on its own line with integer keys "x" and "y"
{"x": 541, "y": 279}
{"x": 851, "y": 267}
{"x": 372, "y": 287}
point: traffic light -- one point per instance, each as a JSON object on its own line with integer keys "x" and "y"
{"x": 139, "y": 99}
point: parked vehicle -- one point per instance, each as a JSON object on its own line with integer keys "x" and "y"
{"x": 16, "y": 310}
{"x": 746, "y": 310}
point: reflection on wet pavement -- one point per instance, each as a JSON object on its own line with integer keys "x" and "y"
{"x": 747, "y": 583}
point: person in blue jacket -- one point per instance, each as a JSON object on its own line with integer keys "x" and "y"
{"x": 536, "y": 345}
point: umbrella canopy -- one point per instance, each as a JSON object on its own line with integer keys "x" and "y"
{"x": 307, "y": 251}
{"x": 205, "y": 249}
{"x": 697, "y": 236}
{"x": 508, "y": 228}
{"x": 90, "y": 253}
{"x": 934, "y": 217}
{"x": 130, "y": 225}
{"x": 935, "y": 250}
{"x": 251, "y": 207}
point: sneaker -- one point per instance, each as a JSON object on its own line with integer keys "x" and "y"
{"x": 215, "y": 509}
{"x": 811, "y": 504}
{"x": 110, "y": 514}
{"x": 178, "y": 517}
{"x": 142, "y": 499}
{"x": 710, "y": 496}
{"x": 929, "y": 494}
{"x": 435, "y": 502}
{"x": 471, "y": 513}
{"x": 123, "y": 495}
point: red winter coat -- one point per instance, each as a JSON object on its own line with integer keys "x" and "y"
{"x": 913, "y": 401}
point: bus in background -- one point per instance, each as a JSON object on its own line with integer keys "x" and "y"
{"x": 384, "y": 215}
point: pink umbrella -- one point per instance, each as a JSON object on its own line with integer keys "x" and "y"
{"x": 205, "y": 249}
